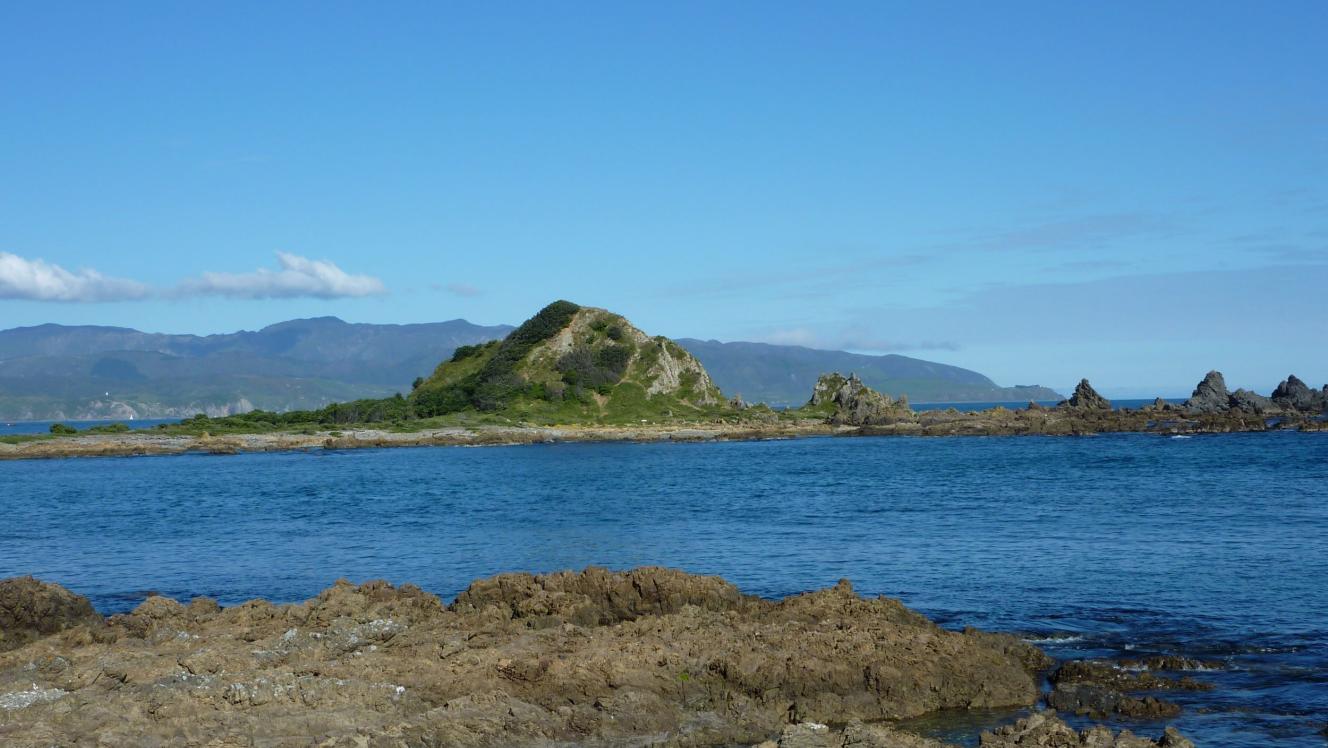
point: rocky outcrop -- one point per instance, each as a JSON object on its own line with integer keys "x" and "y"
{"x": 1246, "y": 401}
{"x": 1046, "y": 730}
{"x": 1293, "y": 394}
{"x": 1210, "y": 396}
{"x": 853, "y": 403}
{"x": 1101, "y": 689}
{"x": 31, "y": 609}
{"x": 1085, "y": 398}
{"x": 1099, "y": 703}
{"x": 650, "y": 656}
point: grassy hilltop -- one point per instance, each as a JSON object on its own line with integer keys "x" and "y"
{"x": 570, "y": 363}
{"x": 566, "y": 365}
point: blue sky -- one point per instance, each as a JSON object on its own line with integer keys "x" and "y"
{"x": 1133, "y": 193}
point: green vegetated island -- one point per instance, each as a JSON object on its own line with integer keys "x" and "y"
{"x": 572, "y": 372}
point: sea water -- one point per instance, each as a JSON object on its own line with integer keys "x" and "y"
{"x": 1213, "y": 547}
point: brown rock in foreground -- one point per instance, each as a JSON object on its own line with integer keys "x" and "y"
{"x": 31, "y": 609}
{"x": 650, "y": 656}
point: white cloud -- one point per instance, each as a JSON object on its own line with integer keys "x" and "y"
{"x": 298, "y": 276}
{"x": 38, "y": 280}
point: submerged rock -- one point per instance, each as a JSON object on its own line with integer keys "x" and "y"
{"x": 1210, "y": 396}
{"x": 1085, "y": 398}
{"x": 1131, "y": 675}
{"x": 1100, "y": 702}
{"x": 31, "y": 609}
{"x": 1046, "y": 730}
{"x": 1169, "y": 662}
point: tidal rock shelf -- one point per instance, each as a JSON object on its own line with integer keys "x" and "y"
{"x": 597, "y": 658}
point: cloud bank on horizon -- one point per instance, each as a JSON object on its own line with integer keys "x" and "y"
{"x": 297, "y": 277}
{"x": 38, "y": 280}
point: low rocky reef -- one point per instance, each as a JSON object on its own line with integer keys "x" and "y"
{"x": 597, "y": 658}
{"x": 1210, "y": 409}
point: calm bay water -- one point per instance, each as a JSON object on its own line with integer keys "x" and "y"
{"x": 1121, "y": 545}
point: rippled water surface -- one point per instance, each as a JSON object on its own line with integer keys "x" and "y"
{"x": 1212, "y": 546}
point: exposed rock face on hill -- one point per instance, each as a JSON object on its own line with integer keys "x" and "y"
{"x": 662, "y": 366}
{"x": 1085, "y": 398}
{"x": 1210, "y": 396}
{"x": 853, "y": 403}
{"x": 598, "y": 658}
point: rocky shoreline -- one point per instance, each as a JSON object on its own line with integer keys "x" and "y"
{"x": 840, "y": 406}
{"x": 149, "y": 443}
{"x": 597, "y": 658}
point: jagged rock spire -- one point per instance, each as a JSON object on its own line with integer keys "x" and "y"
{"x": 1085, "y": 398}
{"x": 1210, "y": 396}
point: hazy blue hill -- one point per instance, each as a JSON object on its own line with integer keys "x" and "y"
{"x": 56, "y": 371}
{"x": 785, "y": 374}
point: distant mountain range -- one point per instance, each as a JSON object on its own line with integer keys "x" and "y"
{"x": 55, "y": 372}
{"x": 59, "y": 372}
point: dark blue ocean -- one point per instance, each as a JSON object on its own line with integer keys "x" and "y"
{"x": 1213, "y": 546}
